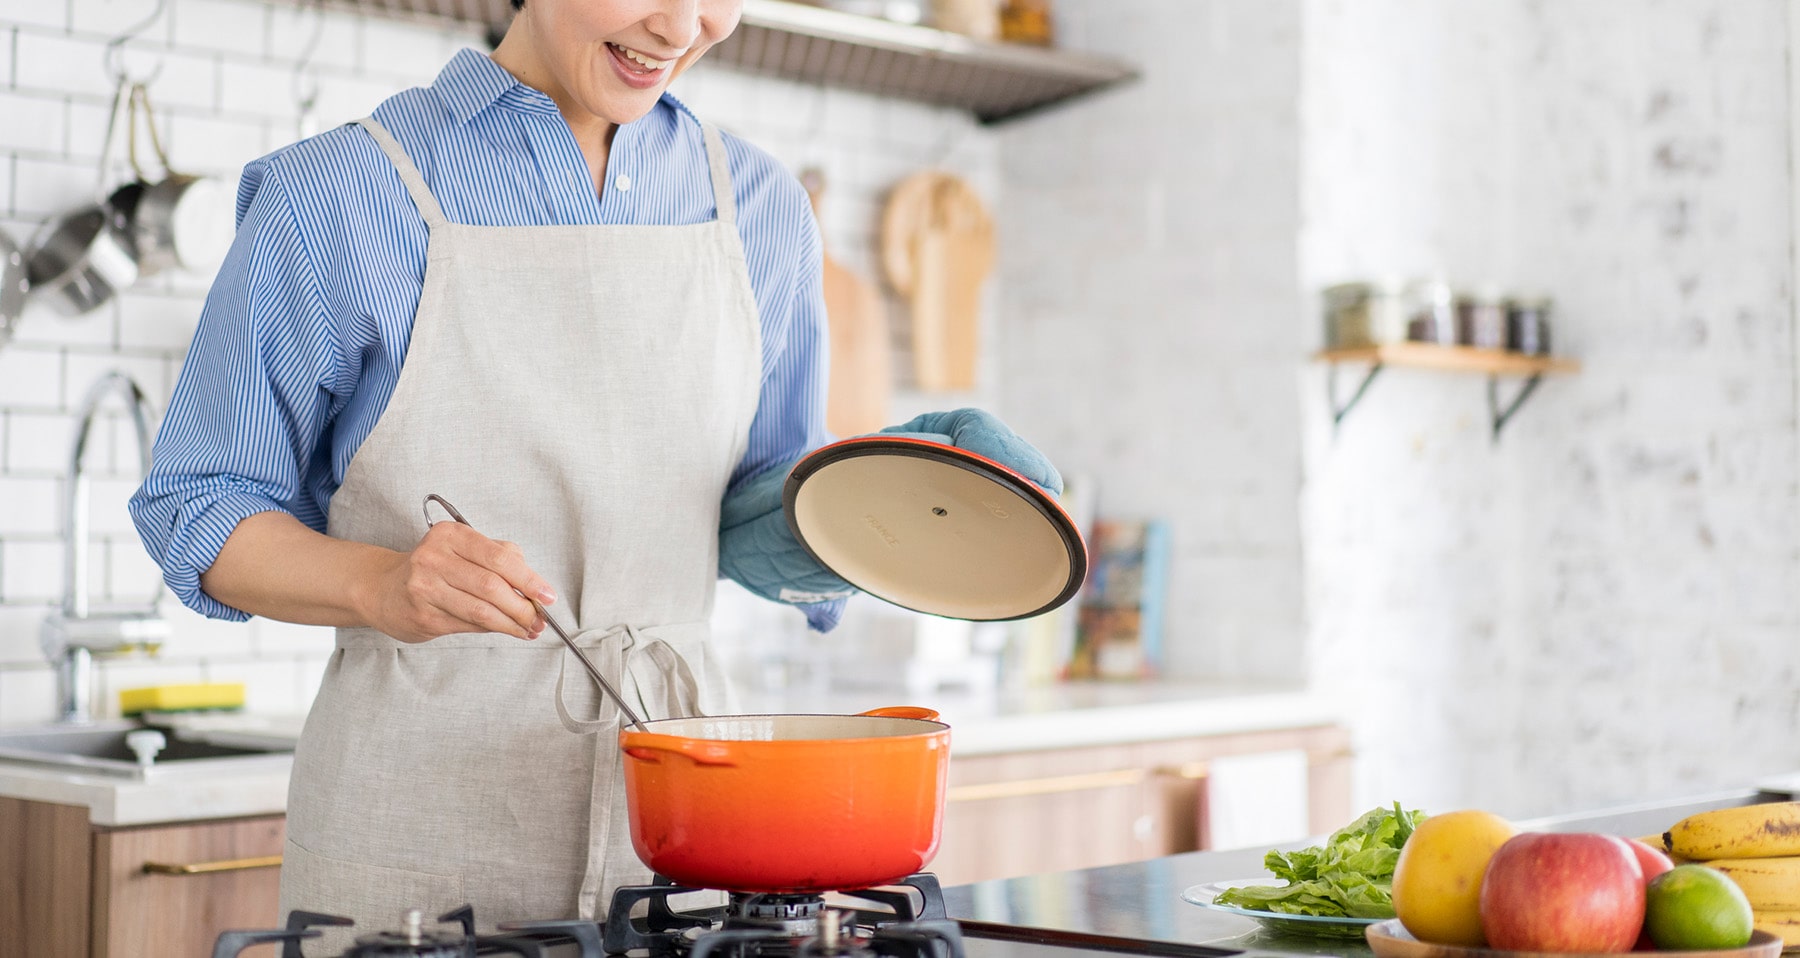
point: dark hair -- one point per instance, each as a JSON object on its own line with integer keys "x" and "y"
{"x": 518, "y": 4}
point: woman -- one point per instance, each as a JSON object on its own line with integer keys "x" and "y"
{"x": 542, "y": 289}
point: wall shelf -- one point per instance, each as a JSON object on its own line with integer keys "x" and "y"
{"x": 808, "y": 44}
{"x": 1494, "y": 363}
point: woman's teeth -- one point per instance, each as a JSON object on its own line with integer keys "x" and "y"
{"x": 648, "y": 64}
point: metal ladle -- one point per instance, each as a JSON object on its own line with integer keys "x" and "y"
{"x": 618, "y": 699}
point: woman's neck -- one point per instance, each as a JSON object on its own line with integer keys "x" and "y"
{"x": 519, "y": 56}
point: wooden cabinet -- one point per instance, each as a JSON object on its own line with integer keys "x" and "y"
{"x": 89, "y": 892}
{"x": 1027, "y": 813}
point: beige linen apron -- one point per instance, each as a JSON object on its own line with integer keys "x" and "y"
{"x": 585, "y": 392}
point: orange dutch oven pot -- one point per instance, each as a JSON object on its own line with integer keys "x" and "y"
{"x": 787, "y": 803}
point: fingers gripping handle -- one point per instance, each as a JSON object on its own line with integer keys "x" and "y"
{"x": 619, "y": 700}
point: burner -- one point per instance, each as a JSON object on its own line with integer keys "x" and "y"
{"x": 527, "y": 939}
{"x": 909, "y": 923}
{"x": 795, "y": 915}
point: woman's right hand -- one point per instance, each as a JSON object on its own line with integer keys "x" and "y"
{"x": 456, "y": 580}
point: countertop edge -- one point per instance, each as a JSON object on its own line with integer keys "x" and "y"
{"x": 113, "y": 803}
{"x": 1149, "y": 722}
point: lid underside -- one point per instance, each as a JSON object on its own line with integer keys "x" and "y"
{"x": 937, "y": 533}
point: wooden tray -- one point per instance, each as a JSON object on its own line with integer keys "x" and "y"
{"x": 1390, "y": 939}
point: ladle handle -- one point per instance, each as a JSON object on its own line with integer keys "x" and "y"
{"x": 587, "y": 663}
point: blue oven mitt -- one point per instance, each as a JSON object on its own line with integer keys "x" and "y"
{"x": 759, "y": 552}
{"x": 982, "y": 433}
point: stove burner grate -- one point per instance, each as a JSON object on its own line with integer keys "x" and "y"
{"x": 907, "y": 920}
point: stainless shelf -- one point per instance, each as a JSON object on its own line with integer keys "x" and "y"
{"x": 994, "y": 81}
{"x": 798, "y": 41}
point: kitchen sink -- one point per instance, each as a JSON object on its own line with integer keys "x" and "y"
{"x": 103, "y": 748}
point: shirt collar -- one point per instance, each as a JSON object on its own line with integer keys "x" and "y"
{"x": 472, "y": 81}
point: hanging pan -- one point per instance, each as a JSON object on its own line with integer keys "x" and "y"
{"x": 85, "y": 257}
{"x": 934, "y": 528}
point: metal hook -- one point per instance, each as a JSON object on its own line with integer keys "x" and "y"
{"x": 115, "y": 50}
{"x": 306, "y": 80}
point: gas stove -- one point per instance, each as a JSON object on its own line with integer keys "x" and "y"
{"x": 906, "y": 919}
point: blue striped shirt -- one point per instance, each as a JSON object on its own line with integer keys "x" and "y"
{"x": 305, "y": 329}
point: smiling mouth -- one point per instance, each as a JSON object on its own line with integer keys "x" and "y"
{"x": 638, "y": 62}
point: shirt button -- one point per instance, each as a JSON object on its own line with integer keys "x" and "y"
{"x": 623, "y": 183}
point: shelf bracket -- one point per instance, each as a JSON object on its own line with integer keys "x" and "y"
{"x": 1498, "y": 416}
{"x": 1338, "y": 412}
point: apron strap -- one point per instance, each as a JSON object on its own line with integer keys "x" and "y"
{"x": 716, "y": 161}
{"x": 409, "y": 174}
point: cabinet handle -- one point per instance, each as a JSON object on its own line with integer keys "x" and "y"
{"x": 1047, "y": 786}
{"x": 208, "y": 868}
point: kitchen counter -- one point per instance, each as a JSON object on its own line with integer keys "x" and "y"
{"x": 1143, "y": 900}
{"x": 1060, "y": 716}
{"x": 115, "y": 801}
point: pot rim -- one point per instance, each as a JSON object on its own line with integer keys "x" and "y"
{"x": 927, "y": 728}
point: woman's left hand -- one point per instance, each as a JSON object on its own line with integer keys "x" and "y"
{"x": 982, "y": 433}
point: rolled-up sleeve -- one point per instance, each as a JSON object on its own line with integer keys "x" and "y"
{"x": 253, "y": 398}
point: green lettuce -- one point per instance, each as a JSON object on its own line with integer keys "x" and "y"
{"x": 1350, "y": 876}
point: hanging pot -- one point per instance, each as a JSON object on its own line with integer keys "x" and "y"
{"x": 83, "y": 258}
{"x": 178, "y": 221}
{"x": 13, "y": 284}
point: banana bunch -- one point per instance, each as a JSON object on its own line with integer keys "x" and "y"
{"x": 1768, "y": 830}
{"x": 1758, "y": 847}
{"x": 1782, "y": 924}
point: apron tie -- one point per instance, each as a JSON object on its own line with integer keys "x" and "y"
{"x": 662, "y": 683}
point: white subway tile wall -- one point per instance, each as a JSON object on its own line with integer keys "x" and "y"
{"x": 227, "y": 87}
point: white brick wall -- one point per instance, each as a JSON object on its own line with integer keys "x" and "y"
{"x": 1603, "y": 606}
{"x": 224, "y": 95}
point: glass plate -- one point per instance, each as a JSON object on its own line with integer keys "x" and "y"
{"x": 1315, "y": 926}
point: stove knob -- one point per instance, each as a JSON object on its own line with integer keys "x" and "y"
{"x": 413, "y": 921}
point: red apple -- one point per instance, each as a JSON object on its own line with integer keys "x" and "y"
{"x": 1549, "y": 891}
{"x": 1654, "y": 863}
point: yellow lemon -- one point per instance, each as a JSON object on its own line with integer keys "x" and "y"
{"x": 1437, "y": 881}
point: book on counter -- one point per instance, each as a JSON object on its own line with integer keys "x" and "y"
{"x": 1119, "y": 627}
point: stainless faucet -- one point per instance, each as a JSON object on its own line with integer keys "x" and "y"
{"x": 74, "y": 633}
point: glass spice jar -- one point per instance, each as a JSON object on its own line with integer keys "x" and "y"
{"x": 1363, "y": 314}
{"x": 1482, "y": 320}
{"x": 1431, "y": 313}
{"x": 1528, "y": 325}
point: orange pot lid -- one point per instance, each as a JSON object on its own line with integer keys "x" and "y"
{"x": 936, "y": 529}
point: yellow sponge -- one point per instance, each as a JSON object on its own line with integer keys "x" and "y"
{"x": 182, "y": 698}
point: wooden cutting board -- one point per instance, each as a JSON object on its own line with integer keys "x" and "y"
{"x": 861, "y": 360}
{"x": 937, "y": 250}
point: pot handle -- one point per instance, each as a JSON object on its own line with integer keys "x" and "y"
{"x": 650, "y": 746}
{"x": 903, "y": 711}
